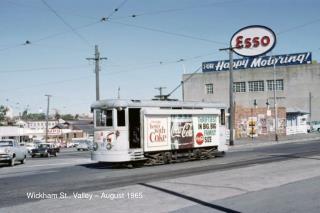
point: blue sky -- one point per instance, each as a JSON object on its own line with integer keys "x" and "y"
{"x": 143, "y": 52}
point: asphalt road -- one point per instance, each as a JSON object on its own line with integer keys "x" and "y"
{"x": 73, "y": 171}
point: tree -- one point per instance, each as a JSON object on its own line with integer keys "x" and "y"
{"x": 67, "y": 117}
{"x": 57, "y": 116}
{"x": 25, "y": 114}
{"x": 3, "y": 112}
{"x": 36, "y": 116}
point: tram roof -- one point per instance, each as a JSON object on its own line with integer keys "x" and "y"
{"x": 114, "y": 103}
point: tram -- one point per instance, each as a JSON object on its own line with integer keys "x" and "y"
{"x": 157, "y": 132}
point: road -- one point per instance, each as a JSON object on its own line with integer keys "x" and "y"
{"x": 73, "y": 172}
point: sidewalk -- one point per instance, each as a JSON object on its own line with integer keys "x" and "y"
{"x": 269, "y": 140}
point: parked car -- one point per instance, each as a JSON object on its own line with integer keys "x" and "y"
{"x": 11, "y": 151}
{"x": 316, "y": 126}
{"x": 30, "y": 147}
{"x": 44, "y": 150}
{"x": 84, "y": 146}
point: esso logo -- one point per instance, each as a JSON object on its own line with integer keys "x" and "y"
{"x": 253, "y": 41}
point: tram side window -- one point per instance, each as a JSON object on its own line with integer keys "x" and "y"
{"x": 103, "y": 117}
{"x": 108, "y": 117}
{"x": 121, "y": 117}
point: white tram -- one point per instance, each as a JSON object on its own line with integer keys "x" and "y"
{"x": 157, "y": 131}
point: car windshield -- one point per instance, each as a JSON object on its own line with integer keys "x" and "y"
{"x": 6, "y": 143}
{"x": 83, "y": 143}
{"x": 44, "y": 146}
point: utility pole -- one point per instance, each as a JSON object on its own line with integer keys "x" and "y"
{"x": 118, "y": 92}
{"x": 47, "y": 117}
{"x": 97, "y": 59}
{"x": 310, "y": 107}
{"x": 275, "y": 102}
{"x": 231, "y": 98}
{"x": 161, "y": 97}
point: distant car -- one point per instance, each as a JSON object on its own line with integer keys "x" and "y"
{"x": 84, "y": 146}
{"x": 44, "y": 150}
{"x": 30, "y": 147}
{"x": 316, "y": 127}
{"x": 11, "y": 151}
{"x": 70, "y": 144}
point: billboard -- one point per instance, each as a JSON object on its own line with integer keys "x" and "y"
{"x": 259, "y": 62}
{"x": 206, "y": 130}
{"x": 253, "y": 41}
{"x": 157, "y": 131}
{"x": 181, "y": 131}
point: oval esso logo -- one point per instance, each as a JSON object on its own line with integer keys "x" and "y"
{"x": 253, "y": 40}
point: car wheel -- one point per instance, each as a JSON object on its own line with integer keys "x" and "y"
{"x": 55, "y": 154}
{"x": 12, "y": 161}
{"x": 24, "y": 160}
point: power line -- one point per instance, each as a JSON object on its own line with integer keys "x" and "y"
{"x": 65, "y": 22}
{"x": 299, "y": 26}
{"x": 42, "y": 69}
{"x": 134, "y": 15}
{"x": 114, "y": 11}
{"x": 169, "y": 33}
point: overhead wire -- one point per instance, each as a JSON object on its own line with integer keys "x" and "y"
{"x": 299, "y": 26}
{"x": 167, "y": 32}
{"x": 155, "y": 12}
{"x": 65, "y": 22}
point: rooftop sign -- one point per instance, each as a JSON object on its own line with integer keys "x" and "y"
{"x": 253, "y": 40}
{"x": 259, "y": 62}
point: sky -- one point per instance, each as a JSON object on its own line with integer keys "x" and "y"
{"x": 148, "y": 44}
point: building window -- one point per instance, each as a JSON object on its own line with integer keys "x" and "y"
{"x": 279, "y": 84}
{"x": 209, "y": 88}
{"x": 239, "y": 87}
{"x": 255, "y": 86}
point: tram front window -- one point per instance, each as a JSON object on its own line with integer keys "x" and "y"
{"x": 103, "y": 117}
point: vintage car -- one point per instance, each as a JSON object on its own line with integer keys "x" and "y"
{"x": 11, "y": 152}
{"x": 44, "y": 150}
{"x": 85, "y": 146}
{"x": 30, "y": 147}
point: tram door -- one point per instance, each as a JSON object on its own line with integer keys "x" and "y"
{"x": 134, "y": 128}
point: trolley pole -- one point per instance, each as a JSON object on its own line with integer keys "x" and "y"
{"x": 161, "y": 97}
{"x": 47, "y": 116}
{"x": 231, "y": 98}
{"x": 97, "y": 59}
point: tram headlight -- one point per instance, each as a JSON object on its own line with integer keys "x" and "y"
{"x": 109, "y": 146}
{"x": 95, "y": 146}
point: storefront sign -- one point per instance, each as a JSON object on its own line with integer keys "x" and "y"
{"x": 259, "y": 62}
{"x": 253, "y": 40}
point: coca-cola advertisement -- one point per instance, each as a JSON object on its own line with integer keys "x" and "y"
{"x": 181, "y": 132}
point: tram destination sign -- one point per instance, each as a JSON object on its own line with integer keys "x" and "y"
{"x": 259, "y": 62}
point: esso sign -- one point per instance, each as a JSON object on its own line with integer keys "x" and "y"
{"x": 253, "y": 40}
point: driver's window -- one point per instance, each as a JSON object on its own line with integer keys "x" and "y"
{"x": 103, "y": 117}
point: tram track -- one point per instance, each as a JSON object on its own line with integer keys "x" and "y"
{"x": 143, "y": 175}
